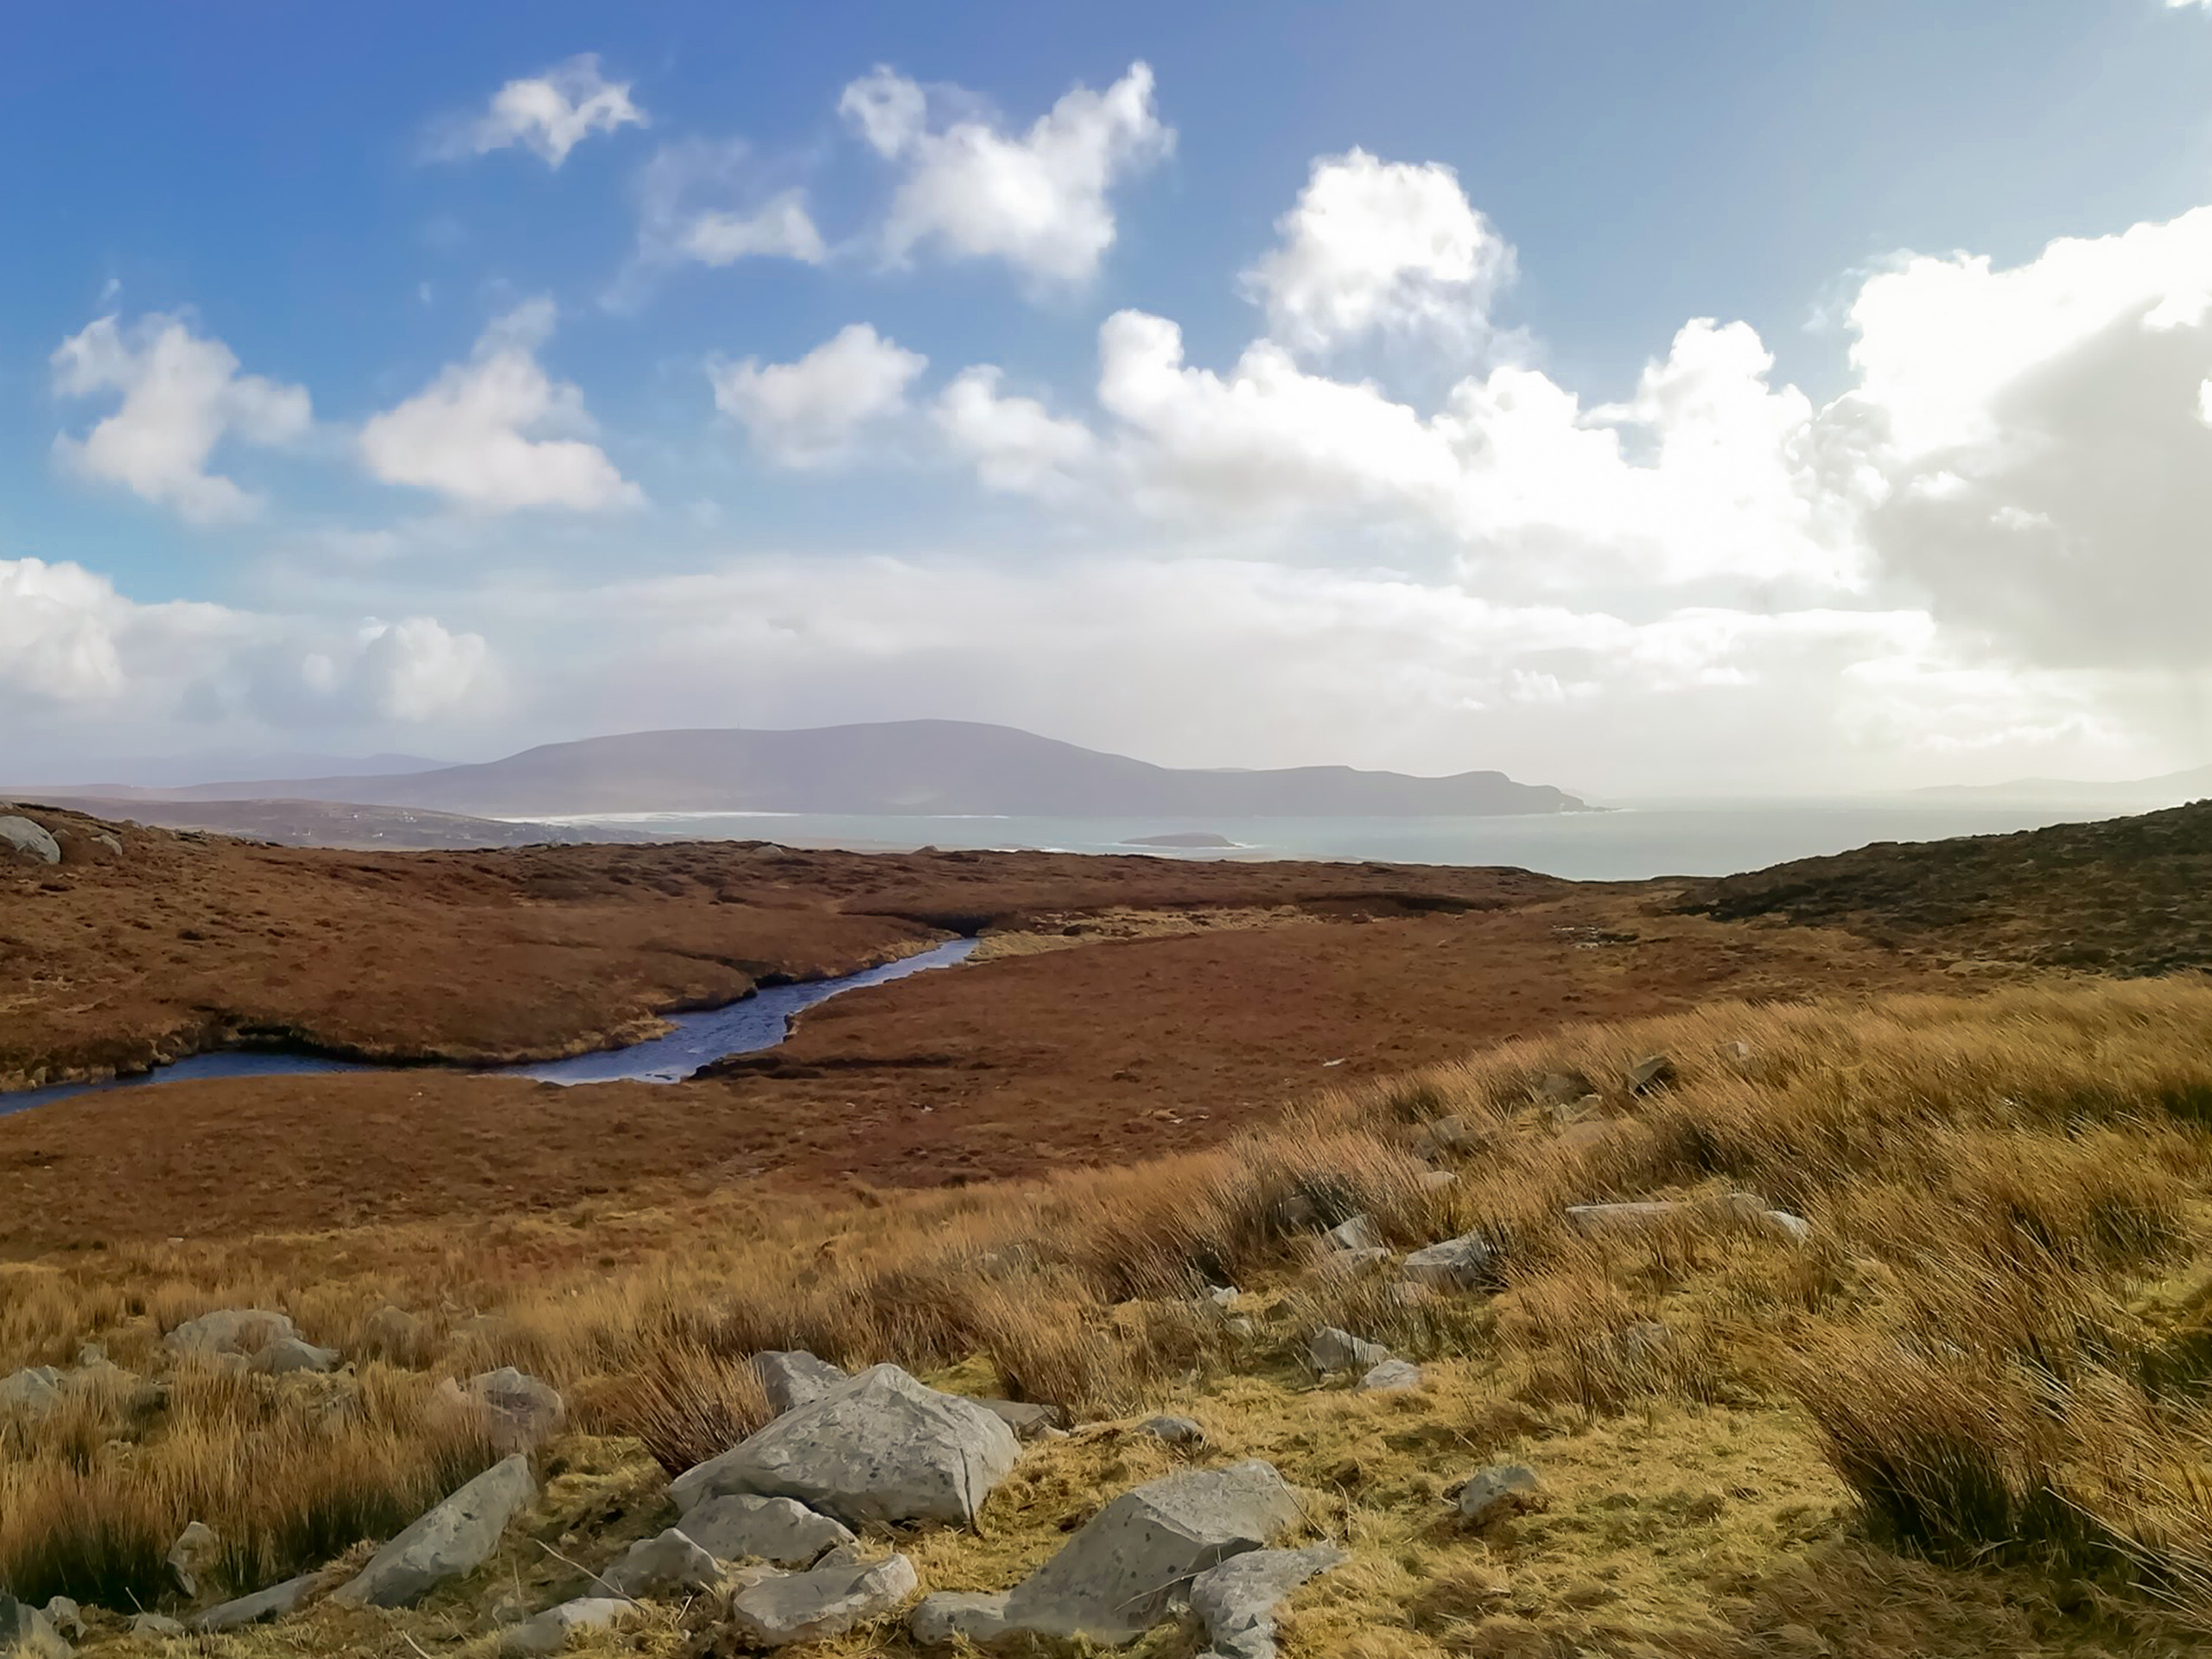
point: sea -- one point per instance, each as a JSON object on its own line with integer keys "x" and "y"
{"x": 1624, "y": 843}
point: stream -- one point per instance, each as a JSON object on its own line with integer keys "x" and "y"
{"x": 760, "y": 1020}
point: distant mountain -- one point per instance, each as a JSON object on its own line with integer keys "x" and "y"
{"x": 2169, "y": 789}
{"x": 173, "y": 771}
{"x": 905, "y": 767}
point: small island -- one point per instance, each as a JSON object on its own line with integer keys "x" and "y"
{"x": 1188, "y": 838}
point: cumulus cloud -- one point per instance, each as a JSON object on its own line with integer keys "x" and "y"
{"x": 712, "y": 203}
{"x": 1037, "y": 201}
{"x": 1379, "y": 247}
{"x": 181, "y": 397}
{"x": 497, "y": 433}
{"x": 72, "y": 644}
{"x": 811, "y": 412}
{"x": 548, "y": 114}
{"x": 1014, "y": 443}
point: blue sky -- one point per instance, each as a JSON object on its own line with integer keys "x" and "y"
{"x": 1432, "y": 476}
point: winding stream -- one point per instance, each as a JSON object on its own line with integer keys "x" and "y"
{"x": 760, "y": 1020}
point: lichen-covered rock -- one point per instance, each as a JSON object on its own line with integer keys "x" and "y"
{"x": 814, "y": 1607}
{"x": 549, "y": 1631}
{"x": 275, "y": 1602}
{"x": 791, "y": 1377}
{"x": 877, "y": 1450}
{"x": 741, "y": 1527}
{"x": 1236, "y": 1601}
{"x": 456, "y": 1538}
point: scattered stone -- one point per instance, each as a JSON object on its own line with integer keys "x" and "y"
{"x": 1464, "y": 1263}
{"x": 1236, "y": 1601}
{"x": 1027, "y": 1419}
{"x": 92, "y": 1356}
{"x": 244, "y": 1331}
{"x": 394, "y": 1335}
{"x": 1406, "y": 1293}
{"x": 1222, "y": 1296}
{"x": 1797, "y": 1229}
{"x": 1176, "y": 1431}
{"x": 456, "y": 1538}
{"x": 1356, "y": 1234}
{"x": 1391, "y": 1376}
{"x": 32, "y": 1393}
{"x": 27, "y": 843}
{"x": 549, "y": 1631}
{"x": 25, "y": 1631}
{"x": 1298, "y": 1213}
{"x": 1345, "y": 1264}
{"x": 1500, "y": 1490}
{"x": 1652, "y": 1072}
{"x": 1333, "y": 1349}
{"x": 1435, "y": 1180}
{"x": 1620, "y": 1218}
{"x": 195, "y": 1556}
{"x": 159, "y": 1626}
{"x": 66, "y": 1616}
{"x": 740, "y": 1527}
{"x": 1118, "y": 1577}
{"x": 877, "y": 1450}
{"x": 1446, "y": 1134}
{"x": 1739, "y": 1053}
{"x": 1560, "y": 1088}
{"x": 290, "y": 1354}
{"x": 1751, "y": 1208}
{"x": 826, "y": 1602}
{"x": 1237, "y": 1325}
{"x": 794, "y": 1377}
{"x": 276, "y": 1602}
{"x": 659, "y": 1567}
{"x": 520, "y": 1412}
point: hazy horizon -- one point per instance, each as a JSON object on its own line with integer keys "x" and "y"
{"x": 1714, "y": 402}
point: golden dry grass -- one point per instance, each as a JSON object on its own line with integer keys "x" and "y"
{"x": 1973, "y": 1415}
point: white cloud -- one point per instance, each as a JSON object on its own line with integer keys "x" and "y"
{"x": 707, "y": 202}
{"x": 1379, "y": 247}
{"x": 497, "y": 434}
{"x": 809, "y": 412}
{"x": 1038, "y": 201}
{"x": 183, "y": 395}
{"x": 1014, "y": 443}
{"x": 781, "y": 227}
{"x": 548, "y": 114}
{"x": 74, "y": 647}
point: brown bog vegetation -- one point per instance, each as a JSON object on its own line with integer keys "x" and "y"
{"x": 1969, "y": 1412}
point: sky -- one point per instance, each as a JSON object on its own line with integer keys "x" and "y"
{"x": 1676, "y": 399}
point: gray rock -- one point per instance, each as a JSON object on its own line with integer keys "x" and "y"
{"x": 1446, "y": 1133}
{"x": 32, "y": 1393}
{"x": 159, "y": 1626}
{"x": 520, "y": 1412}
{"x": 25, "y": 1631}
{"x": 1356, "y": 1234}
{"x": 394, "y": 1335}
{"x": 1464, "y": 1263}
{"x": 740, "y": 1527}
{"x": 244, "y": 1331}
{"x": 1236, "y": 1601}
{"x": 1391, "y": 1376}
{"x": 549, "y": 1631}
{"x": 791, "y": 1377}
{"x": 1176, "y": 1431}
{"x": 879, "y": 1449}
{"x": 1116, "y": 1578}
{"x": 195, "y": 1556}
{"x": 276, "y": 1602}
{"x": 1652, "y": 1072}
{"x": 1345, "y": 1264}
{"x": 1558, "y": 1088}
{"x": 66, "y": 1616}
{"x": 1621, "y": 1217}
{"x": 1797, "y": 1229}
{"x": 1221, "y": 1296}
{"x": 1435, "y": 1180}
{"x": 1026, "y": 1418}
{"x": 1331, "y": 1350}
{"x": 25, "y": 841}
{"x": 826, "y": 1602}
{"x": 290, "y": 1354}
{"x": 456, "y": 1538}
{"x": 940, "y": 1618}
{"x": 1502, "y": 1489}
{"x": 667, "y": 1565}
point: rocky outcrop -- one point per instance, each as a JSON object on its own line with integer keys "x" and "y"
{"x": 826, "y": 1602}
{"x": 877, "y": 1450}
{"x": 275, "y": 1602}
{"x": 1236, "y": 1601}
{"x": 1117, "y": 1578}
{"x": 740, "y": 1527}
{"x": 456, "y": 1538}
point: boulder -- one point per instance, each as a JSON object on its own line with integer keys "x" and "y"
{"x": 395, "y": 1336}
{"x": 1391, "y": 1376}
{"x": 1652, "y": 1072}
{"x": 66, "y": 1616}
{"x": 1236, "y": 1601}
{"x": 520, "y": 1412}
{"x": 1464, "y": 1263}
{"x": 288, "y": 1354}
{"x": 877, "y": 1450}
{"x": 244, "y": 1331}
{"x": 549, "y": 1631}
{"x": 1356, "y": 1234}
{"x": 195, "y": 1556}
{"x": 1027, "y": 1419}
{"x": 456, "y": 1538}
{"x": 275, "y": 1602}
{"x": 159, "y": 1626}
{"x": 1117, "y": 1578}
{"x": 26, "y": 1631}
{"x": 26, "y": 842}
{"x": 1500, "y": 1490}
{"x": 32, "y": 1393}
{"x": 791, "y": 1377}
{"x": 1333, "y": 1349}
{"x": 826, "y": 1602}
{"x": 740, "y": 1527}
{"x": 1176, "y": 1431}
{"x": 657, "y": 1567}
